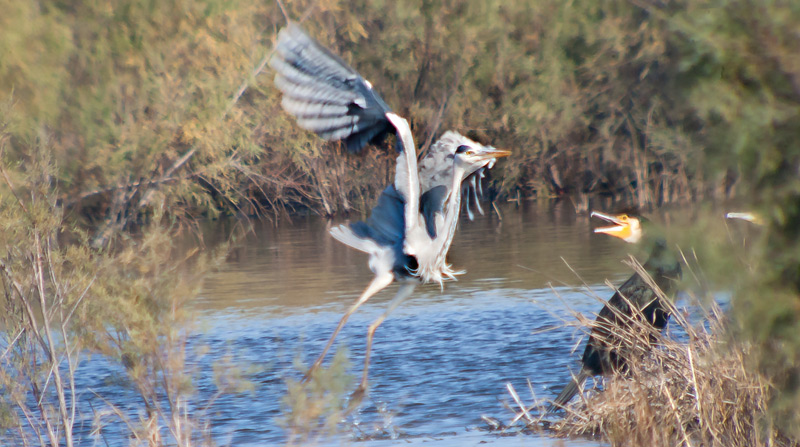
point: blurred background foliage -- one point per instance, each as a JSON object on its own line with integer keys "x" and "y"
{"x": 167, "y": 104}
{"x": 163, "y": 110}
{"x": 142, "y": 106}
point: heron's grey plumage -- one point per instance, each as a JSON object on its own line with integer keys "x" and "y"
{"x": 441, "y": 185}
{"x": 410, "y": 229}
{"x": 326, "y": 95}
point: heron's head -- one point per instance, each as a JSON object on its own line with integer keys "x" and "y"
{"x": 626, "y": 227}
{"x": 471, "y": 156}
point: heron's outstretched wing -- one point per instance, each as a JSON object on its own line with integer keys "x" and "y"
{"x": 327, "y": 96}
{"x": 330, "y": 98}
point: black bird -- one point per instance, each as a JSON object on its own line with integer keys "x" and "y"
{"x": 605, "y": 351}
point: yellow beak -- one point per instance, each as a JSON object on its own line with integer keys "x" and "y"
{"x": 620, "y": 229}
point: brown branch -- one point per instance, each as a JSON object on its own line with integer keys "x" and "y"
{"x": 62, "y": 403}
{"x": 14, "y": 191}
{"x": 445, "y": 103}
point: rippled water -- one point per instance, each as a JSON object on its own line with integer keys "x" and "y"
{"x": 440, "y": 361}
{"x": 443, "y": 358}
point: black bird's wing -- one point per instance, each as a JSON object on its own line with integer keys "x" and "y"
{"x": 569, "y": 391}
{"x": 605, "y": 350}
{"x": 603, "y": 354}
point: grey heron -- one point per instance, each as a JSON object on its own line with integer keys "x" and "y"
{"x": 605, "y": 351}
{"x": 410, "y": 229}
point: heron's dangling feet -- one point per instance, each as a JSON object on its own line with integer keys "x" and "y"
{"x": 378, "y": 283}
{"x": 357, "y": 397}
{"x": 361, "y": 391}
{"x": 311, "y": 370}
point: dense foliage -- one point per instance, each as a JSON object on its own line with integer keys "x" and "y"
{"x": 744, "y": 62}
{"x": 617, "y": 98}
{"x": 138, "y": 97}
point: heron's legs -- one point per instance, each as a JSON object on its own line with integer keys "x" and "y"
{"x": 406, "y": 288}
{"x": 380, "y": 282}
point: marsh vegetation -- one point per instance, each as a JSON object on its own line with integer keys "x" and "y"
{"x": 124, "y": 123}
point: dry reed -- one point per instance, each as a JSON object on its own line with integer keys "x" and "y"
{"x": 695, "y": 389}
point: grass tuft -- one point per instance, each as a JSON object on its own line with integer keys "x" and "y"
{"x": 695, "y": 387}
{"x": 314, "y": 409}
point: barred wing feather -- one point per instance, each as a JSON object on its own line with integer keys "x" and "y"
{"x": 327, "y": 96}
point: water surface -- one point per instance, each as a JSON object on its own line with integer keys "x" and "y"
{"x": 444, "y": 357}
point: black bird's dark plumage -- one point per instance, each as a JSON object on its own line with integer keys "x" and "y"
{"x": 606, "y": 351}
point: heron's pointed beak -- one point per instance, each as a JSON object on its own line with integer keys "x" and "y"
{"x": 488, "y": 152}
{"x": 620, "y": 229}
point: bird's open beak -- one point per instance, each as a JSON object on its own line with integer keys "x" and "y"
{"x": 620, "y": 229}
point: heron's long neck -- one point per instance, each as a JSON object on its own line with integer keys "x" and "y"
{"x": 435, "y": 267}
{"x": 452, "y": 209}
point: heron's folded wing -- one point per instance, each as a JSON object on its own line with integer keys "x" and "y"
{"x": 431, "y": 203}
{"x": 385, "y": 224}
{"x": 327, "y": 96}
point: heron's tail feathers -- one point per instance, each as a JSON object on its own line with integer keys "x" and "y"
{"x": 569, "y": 391}
{"x": 345, "y": 235}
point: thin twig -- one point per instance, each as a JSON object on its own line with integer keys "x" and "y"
{"x": 499, "y": 216}
{"x": 62, "y": 403}
{"x": 519, "y": 403}
{"x": 119, "y": 413}
{"x": 11, "y": 344}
